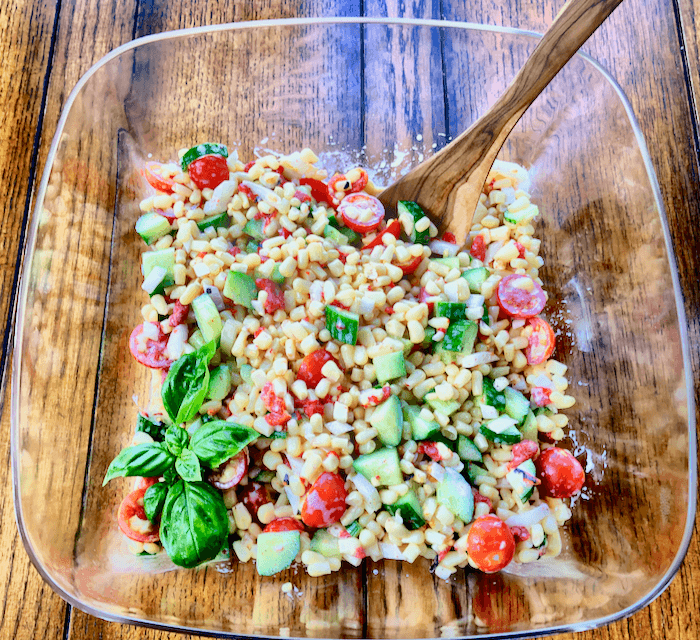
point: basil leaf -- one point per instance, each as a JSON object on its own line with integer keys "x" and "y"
{"x": 147, "y": 460}
{"x": 187, "y": 465}
{"x": 186, "y": 384}
{"x": 194, "y": 523}
{"x": 153, "y": 428}
{"x": 176, "y": 439}
{"x": 216, "y": 442}
{"x": 170, "y": 476}
{"x": 153, "y": 500}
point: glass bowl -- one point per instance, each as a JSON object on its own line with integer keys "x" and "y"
{"x": 384, "y": 93}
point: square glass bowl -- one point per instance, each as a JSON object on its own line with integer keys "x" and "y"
{"x": 386, "y": 94}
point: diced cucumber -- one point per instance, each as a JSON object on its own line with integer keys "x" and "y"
{"x": 491, "y": 397}
{"x": 467, "y": 450}
{"x": 459, "y": 340}
{"x": 247, "y": 373}
{"x": 387, "y": 419}
{"x": 265, "y": 475}
{"x": 342, "y": 324}
{"x": 509, "y": 435}
{"x": 411, "y": 511}
{"x": 164, "y": 258}
{"x": 529, "y": 428}
{"x": 420, "y": 429}
{"x": 524, "y": 216}
{"x": 252, "y": 247}
{"x": 336, "y": 236}
{"x": 196, "y": 339}
{"x": 208, "y": 318}
{"x": 451, "y": 262}
{"x": 472, "y": 471}
{"x": 389, "y": 366}
{"x": 451, "y": 310}
{"x": 476, "y": 277}
{"x": 450, "y": 444}
{"x": 352, "y": 236}
{"x": 523, "y": 479}
{"x": 219, "y": 382}
{"x": 380, "y": 467}
{"x": 543, "y": 410}
{"x": 240, "y": 287}
{"x": 254, "y": 228}
{"x": 446, "y": 407}
{"x": 485, "y": 317}
{"x": 517, "y": 405}
{"x": 215, "y": 222}
{"x": 455, "y": 493}
{"x": 201, "y": 150}
{"x": 325, "y": 544}
{"x": 276, "y": 551}
{"x": 354, "y": 529}
{"x": 276, "y": 276}
{"x": 152, "y": 226}
{"x": 414, "y": 210}
{"x": 428, "y": 340}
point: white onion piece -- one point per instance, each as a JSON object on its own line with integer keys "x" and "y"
{"x": 391, "y": 551}
{"x": 528, "y": 518}
{"x": 366, "y": 305}
{"x": 176, "y": 342}
{"x": 295, "y": 464}
{"x": 475, "y": 300}
{"x": 338, "y": 428}
{"x": 153, "y": 279}
{"x": 222, "y": 195}
{"x": 543, "y": 381}
{"x": 294, "y": 499}
{"x": 452, "y": 290}
{"x": 316, "y": 291}
{"x": 488, "y": 412}
{"x": 232, "y": 159}
{"x": 259, "y": 190}
{"x": 441, "y": 248}
{"x": 492, "y": 250}
{"x": 216, "y": 296}
{"x": 258, "y": 307}
{"x": 499, "y": 425}
{"x": 436, "y": 470}
{"x": 478, "y": 358}
{"x": 368, "y": 491}
{"x": 509, "y": 193}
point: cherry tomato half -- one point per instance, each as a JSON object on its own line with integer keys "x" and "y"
{"x": 153, "y": 355}
{"x": 518, "y": 301}
{"x": 153, "y": 172}
{"x": 319, "y": 190}
{"x": 410, "y": 266}
{"x": 311, "y": 365}
{"x": 560, "y": 473}
{"x": 231, "y": 472}
{"x": 361, "y": 212}
{"x": 208, "y": 172}
{"x": 393, "y": 228}
{"x": 324, "y": 502}
{"x": 275, "y": 295}
{"x": 132, "y": 506}
{"x": 541, "y": 341}
{"x": 478, "y": 248}
{"x": 490, "y": 543}
{"x": 284, "y": 524}
{"x": 254, "y": 495}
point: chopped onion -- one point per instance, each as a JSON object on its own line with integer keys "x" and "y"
{"x": 338, "y": 428}
{"x": 452, "y": 290}
{"x": 509, "y": 193}
{"x": 259, "y": 190}
{"x": 366, "y": 304}
{"x": 528, "y": 518}
{"x": 216, "y": 296}
{"x": 258, "y": 307}
{"x": 391, "y": 551}
{"x": 436, "y": 470}
{"x": 176, "y": 342}
{"x": 442, "y": 248}
{"x": 543, "y": 381}
{"x": 475, "y": 300}
{"x": 499, "y": 425}
{"x": 370, "y": 494}
{"x": 492, "y": 250}
{"x": 222, "y": 195}
{"x": 316, "y": 291}
{"x": 153, "y": 279}
{"x": 294, "y": 499}
{"x": 478, "y": 358}
{"x": 488, "y": 412}
{"x": 295, "y": 464}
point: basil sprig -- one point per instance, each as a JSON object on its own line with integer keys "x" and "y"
{"x": 176, "y": 439}
{"x": 145, "y": 460}
{"x": 154, "y": 498}
{"x": 217, "y": 441}
{"x": 188, "y": 467}
{"x": 186, "y": 384}
{"x": 194, "y": 523}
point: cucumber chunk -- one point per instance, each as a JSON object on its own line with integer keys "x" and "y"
{"x": 152, "y": 226}
{"x": 529, "y": 428}
{"x": 524, "y": 216}
{"x": 197, "y": 339}
{"x": 387, "y": 419}
{"x": 380, "y": 467}
{"x": 342, "y": 324}
{"x": 352, "y": 236}
{"x": 254, "y": 228}
{"x": 451, "y": 310}
{"x": 276, "y": 551}
{"x": 459, "y": 340}
{"x": 467, "y": 450}
{"x": 451, "y": 262}
{"x": 523, "y": 479}
{"x": 208, "y": 318}
{"x": 241, "y": 288}
{"x": 446, "y": 407}
{"x": 325, "y": 544}
{"x": 411, "y": 511}
{"x": 420, "y": 429}
{"x": 354, "y": 529}
{"x": 455, "y": 493}
{"x": 215, "y": 222}
{"x": 336, "y": 236}
{"x": 472, "y": 471}
{"x": 491, "y": 397}
{"x": 509, "y": 435}
{"x": 389, "y": 366}
{"x": 476, "y": 277}
{"x": 414, "y": 210}
{"x": 517, "y": 405}
{"x": 219, "y": 382}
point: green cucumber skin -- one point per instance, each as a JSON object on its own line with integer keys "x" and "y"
{"x": 390, "y": 366}
{"x": 152, "y": 226}
{"x": 509, "y": 436}
{"x": 410, "y": 508}
{"x": 217, "y": 221}
{"x": 381, "y": 465}
{"x": 476, "y": 277}
{"x": 517, "y": 405}
{"x": 451, "y": 310}
{"x": 343, "y": 325}
{"x": 467, "y": 450}
{"x": 416, "y": 212}
{"x": 387, "y": 419}
{"x": 208, "y": 318}
{"x": 240, "y": 288}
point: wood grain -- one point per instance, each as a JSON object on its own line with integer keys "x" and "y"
{"x": 639, "y": 45}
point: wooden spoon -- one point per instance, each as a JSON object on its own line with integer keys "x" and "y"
{"x": 447, "y": 185}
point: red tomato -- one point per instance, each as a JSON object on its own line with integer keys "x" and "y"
{"x": 153, "y": 173}
{"x": 448, "y": 236}
{"x": 525, "y": 450}
{"x": 179, "y": 314}
{"x": 275, "y": 295}
{"x": 541, "y": 341}
{"x": 393, "y": 228}
{"x": 411, "y": 266}
{"x": 540, "y": 396}
{"x": 490, "y": 543}
{"x": 319, "y": 190}
{"x": 254, "y": 495}
{"x": 132, "y": 506}
{"x": 430, "y": 449}
{"x": 153, "y": 355}
{"x": 478, "y": 249}
{"x": 284, "y": 524}
{"x": 311, "y": 365}
{"x": 208, "y": 172}
{"x": 518, "y": 302}
{"x": 355, "y": 205}
{"x": 231, "y": 472}
{"x": 309, "y": 407}
{"x": 324, "y": 502}
{"x": 560, "y": 473}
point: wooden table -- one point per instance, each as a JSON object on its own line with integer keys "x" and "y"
{"x": 650, "y": 46}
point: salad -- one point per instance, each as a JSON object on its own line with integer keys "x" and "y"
{"x": 338, "y": 383}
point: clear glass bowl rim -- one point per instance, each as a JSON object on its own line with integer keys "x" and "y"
{"x": 181, "y": 33}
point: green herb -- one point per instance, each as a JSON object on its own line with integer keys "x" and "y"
{"x": 176, "y": 439}
{"x": 186, "y": 384}
{"x": 153, "y": 428}
{"x": 146, "y": 460}
{"x": 194, "y": 523}
{"x": 216, "y": 442}
{"x": 188, "y": 467}
{"x": 153, "y": 500}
